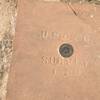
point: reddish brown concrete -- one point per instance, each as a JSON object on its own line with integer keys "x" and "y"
{"x": 38, "y": 72}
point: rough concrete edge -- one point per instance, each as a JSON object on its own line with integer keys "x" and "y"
{"x": 6, "y": 48}
{"x": 97, "y": 2}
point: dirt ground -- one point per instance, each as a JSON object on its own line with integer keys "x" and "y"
{"x": 38, "y": 71}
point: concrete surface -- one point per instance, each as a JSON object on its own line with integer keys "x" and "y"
{"x": 38, "y": 72}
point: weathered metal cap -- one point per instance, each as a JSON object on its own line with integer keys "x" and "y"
{"x": 66, "y": 50}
